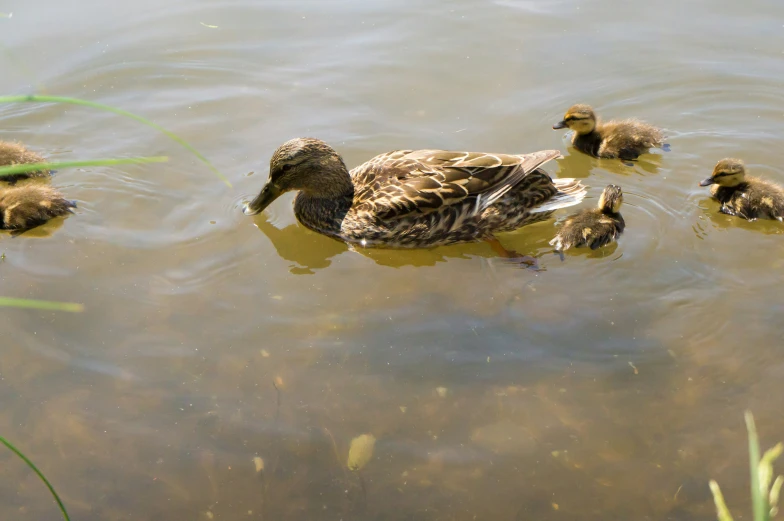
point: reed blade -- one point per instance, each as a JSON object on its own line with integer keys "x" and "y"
{"x": 76, "y": 101}
{"x": 758, "y": 499}
{"x": 47, "y": 305}
{"x": 35, "y": 167}
{"x": 39, "y": 473}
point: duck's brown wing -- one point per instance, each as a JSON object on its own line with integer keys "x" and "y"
{"x": 406, "y": 182}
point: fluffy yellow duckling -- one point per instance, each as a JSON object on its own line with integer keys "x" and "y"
{"x": 595, "y": 227}
{"x": 18, "y": 154}
{"x": 742, "y": 195}
{"x": 25, "y": 207}
{"x": 625, "y": 139}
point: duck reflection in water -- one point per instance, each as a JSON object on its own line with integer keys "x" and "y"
{"x": 311, "y": 251}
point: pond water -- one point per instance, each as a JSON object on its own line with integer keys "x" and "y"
{"x": 611, "y": 385}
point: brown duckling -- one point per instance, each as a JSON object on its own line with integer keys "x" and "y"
{"x": 625, "y": 139}
{"x": 742, "y": 195}
{"x": 18, "y": 154}
{"x": 25, "y": 207}
{"x": 596, "y": 227}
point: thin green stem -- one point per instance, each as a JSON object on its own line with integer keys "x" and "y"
{"x": 35, "y": 167}
{"x": 758, "y": 501}
{"x": 85, "y": 103}
{"x": 73, "y": 307}
{"x": 40, "y": 475}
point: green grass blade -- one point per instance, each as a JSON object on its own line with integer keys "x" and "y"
{"x": 758, "y": 499}
{"x": 73, "y": 307}
{"x": 121, "y": 112}
{"x": 40, "y": 475}
{"x": 35, "y": 167}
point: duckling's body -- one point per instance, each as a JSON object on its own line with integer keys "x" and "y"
{"x": 18, "y": 154}
{"x": 595, "y": 227}
{"x": 625, "y": 139}
{"x": 31, "y": 205}
{"x": 742, "y": 195}
{"x": 414, "y": 198}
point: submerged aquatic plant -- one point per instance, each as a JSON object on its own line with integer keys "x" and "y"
{"x": 121, "y": 112}
{"x": 360, "y": 451}
{"x": 39, "y": 473}
{"x": 764, "y": 496}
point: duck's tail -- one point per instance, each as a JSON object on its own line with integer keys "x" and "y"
{"x": 570, "y": 192}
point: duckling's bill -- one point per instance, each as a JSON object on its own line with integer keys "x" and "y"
{"x": 268, "y": 194}
{"x": 707, "y": 182}
{"x": 561, "y": 124}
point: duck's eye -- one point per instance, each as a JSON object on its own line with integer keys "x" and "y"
{"x": 286, "y": 167}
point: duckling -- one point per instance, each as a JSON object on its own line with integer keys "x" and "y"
{"x": 744, "y": 196}
{"x": 18, "y": 154}
{"x": 625, "y": 139}
{"x": 25, "y": 207}
{"x": 595, "y": 227}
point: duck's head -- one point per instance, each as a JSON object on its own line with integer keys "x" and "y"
{"x": 611, "y": 199}
{"x": 305, "y": 164}
{"x": 579, "y": 118}
{"x": 727, "y": 172}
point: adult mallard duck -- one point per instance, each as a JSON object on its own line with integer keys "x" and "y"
{"x": 595, "y": 227}
{"x": 25, "y": 207}
{"x": 625, "y": 139}
{"x": 415, "y": 198}
{"x": 17, "y": 154}
{"x": 742, "y": 195}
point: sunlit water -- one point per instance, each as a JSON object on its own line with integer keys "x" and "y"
{"x": 610, "y": 386}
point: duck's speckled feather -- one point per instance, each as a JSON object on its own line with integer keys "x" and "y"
{"x": 410, "y": 198}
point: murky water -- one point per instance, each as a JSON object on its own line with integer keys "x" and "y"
{"x": 610, "y": 386}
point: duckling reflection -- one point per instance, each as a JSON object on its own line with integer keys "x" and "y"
{"x": 744, "y": 196}
{"x": 626, "y": 139}
{"x": 18, "y": 154}
{"x": 595, "y": 227}
{"x": 26, "y": 207}
{"x": 580, "y": 166}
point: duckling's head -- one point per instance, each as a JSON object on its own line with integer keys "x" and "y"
{"x": 579, "y": 118}
{"x": 305, "y": 164}
{"x": 611, "y": 199}
{"x": 727, "y": 172}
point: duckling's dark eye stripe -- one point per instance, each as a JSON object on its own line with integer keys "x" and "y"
{"x": 573, "y": 118}
{"x": 724, "y": 174}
